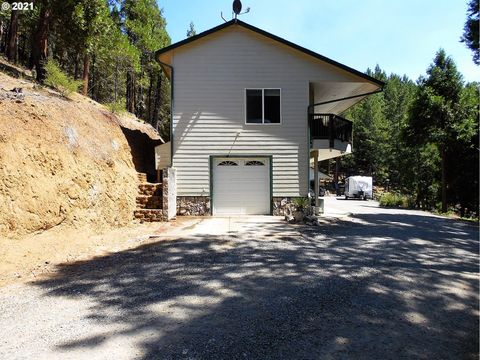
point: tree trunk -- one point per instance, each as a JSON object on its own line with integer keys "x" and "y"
{"x": 22, "y": 48}
{"x": 1, "y": 35}
{"x": 12, "y": 36}
{"x": 40, "y": 44}
{"x": 158, "y": 102}
{"x": 86, "y": 69}
{"x": 444, "y": 180}
{"x": 149, "y": 98}
{"x": 93, "y": 85}
{"x": 130, "y": 95}
{"x": 76, "y": 68}
{"x": 115, "y": 87}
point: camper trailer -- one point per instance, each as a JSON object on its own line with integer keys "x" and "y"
{"x": 359, "y": 187}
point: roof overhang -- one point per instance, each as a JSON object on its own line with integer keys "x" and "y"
{"x": 336, "y": 97}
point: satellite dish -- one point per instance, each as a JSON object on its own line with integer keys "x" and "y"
{"x": 237, "y": 7}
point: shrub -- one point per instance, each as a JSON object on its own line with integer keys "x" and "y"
{"x": 301, "y": 203}
{"x": 117, "y": 107}
{"x": 396, "y": 200}
{"x": 57, "y": 79}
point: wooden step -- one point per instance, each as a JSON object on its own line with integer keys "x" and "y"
{"x": 149, "y": 202}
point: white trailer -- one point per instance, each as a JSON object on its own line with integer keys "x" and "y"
{"x": 359, "y": 187}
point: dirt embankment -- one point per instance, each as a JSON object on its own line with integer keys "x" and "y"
{"x": 61, "y": 162}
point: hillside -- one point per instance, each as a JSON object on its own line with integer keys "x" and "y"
{"x": 62, "y": 161}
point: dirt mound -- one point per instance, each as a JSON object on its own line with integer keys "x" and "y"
{"x": 61, "y": 162}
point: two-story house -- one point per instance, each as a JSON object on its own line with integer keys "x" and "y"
{"x": 250, "y": 113}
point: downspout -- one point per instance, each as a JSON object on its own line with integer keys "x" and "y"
{"x": 162, "y": 64}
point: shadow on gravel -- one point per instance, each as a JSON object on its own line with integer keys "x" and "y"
{"x": 399, "y": 286}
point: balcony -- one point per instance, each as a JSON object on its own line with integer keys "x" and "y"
{"x": 330, "y": 134}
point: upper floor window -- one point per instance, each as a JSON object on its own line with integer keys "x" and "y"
{"x": 263, "y": 106}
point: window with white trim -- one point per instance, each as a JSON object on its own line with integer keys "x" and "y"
{"x": 263, "y": 106}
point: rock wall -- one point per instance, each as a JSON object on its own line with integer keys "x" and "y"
{"x": 283, "y": 206}
{"x": 193, "y": 205}
{"x": 62, "y": 161}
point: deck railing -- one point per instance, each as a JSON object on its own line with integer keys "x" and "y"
{"x": 331, "y": 127}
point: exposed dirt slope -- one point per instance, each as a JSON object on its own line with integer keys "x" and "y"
{"x": 61, "y": 162}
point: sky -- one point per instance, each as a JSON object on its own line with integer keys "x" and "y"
{"x": 402, "y": 36}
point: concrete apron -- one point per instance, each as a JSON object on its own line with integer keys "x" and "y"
{"x": 257, "y": 225}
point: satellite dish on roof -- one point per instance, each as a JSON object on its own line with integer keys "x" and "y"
{"x": 237, "y": 10}
{"x": 237, "y": 7}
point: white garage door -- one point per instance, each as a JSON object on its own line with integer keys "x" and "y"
{"x": 241, "y": 186}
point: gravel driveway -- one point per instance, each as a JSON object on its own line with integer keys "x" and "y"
{"x": 379, "y": 284}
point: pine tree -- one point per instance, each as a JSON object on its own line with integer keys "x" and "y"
{"x": 471, "y": 30}
{"x": 436, "y": 111}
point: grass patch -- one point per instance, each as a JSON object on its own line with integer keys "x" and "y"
{"x": 117, "y": 107}
{"x": 57, "y": 79}
{"x": 390, "y": 199}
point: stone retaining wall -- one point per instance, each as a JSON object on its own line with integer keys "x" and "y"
{"x": 284, "y": 206}
{"x": 200, "y": 206}
{"x": 193, "y": 205}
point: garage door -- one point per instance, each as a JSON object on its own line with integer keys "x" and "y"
{"x": 241, "y": 186}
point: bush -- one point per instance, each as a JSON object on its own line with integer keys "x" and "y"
{"x": 301, "y": 203}
{"x": 57, "y": 79}
{"x": 117, "y": 107}
{"x": 389, "y": 199}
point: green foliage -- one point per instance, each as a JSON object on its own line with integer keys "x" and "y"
{"x": 471, "y": 30}
{"x": 441, "y": 116}
{"x": 437, "y": 104}
{"x": 301, "y": 203}
{"x": 378, "y": 122}
{"x": 390, "y": 199}
{"x": 57, "y": 79}
{"x": 399, "y": 135}
{"x": 117, "y": 107}
{"x": 111, "y": 41}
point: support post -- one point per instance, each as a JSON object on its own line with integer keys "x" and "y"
{"x": 169, "y": 192}
{"x": 315, "y": 180}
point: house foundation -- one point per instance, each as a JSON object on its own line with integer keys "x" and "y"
{"x": 193, "y": 205}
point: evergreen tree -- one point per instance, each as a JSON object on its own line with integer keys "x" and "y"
{"x": 436, "y": 111}
{"x": 471, "y": 30}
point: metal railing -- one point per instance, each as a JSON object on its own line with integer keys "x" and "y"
{"x": 330, "y": 127}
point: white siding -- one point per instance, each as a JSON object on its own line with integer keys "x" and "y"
{"x": 210, "y": 78}
{"x": 162, "y": 156}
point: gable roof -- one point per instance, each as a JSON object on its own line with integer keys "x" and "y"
{"x": 273, "y": 37}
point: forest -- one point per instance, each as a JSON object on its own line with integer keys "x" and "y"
{"x": 417, "y": 138}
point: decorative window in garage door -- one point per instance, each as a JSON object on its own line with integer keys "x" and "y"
{"x": 228, "y": 163}
{"x": 254, "y": 163}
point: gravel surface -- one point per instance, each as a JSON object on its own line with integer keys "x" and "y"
{"x": 379, "y": 284}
